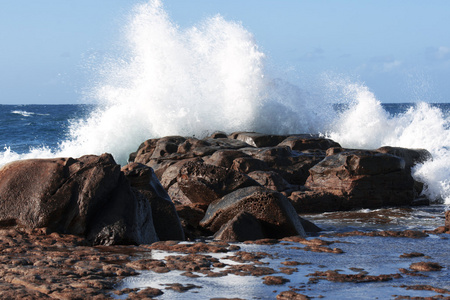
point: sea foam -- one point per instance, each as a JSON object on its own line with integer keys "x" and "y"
{"x": 191, "y": 81}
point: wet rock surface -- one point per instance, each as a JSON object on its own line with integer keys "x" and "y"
{"x": 88, "y": 196}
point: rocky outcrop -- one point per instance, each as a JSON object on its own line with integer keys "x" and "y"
{"x": 88, "y": 196}
{"x": 314, "y": 172}
{"x": 228, "y": 182}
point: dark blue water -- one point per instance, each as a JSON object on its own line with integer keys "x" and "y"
{"x": 23, "y": 127}
{"x": 29, "y": 126}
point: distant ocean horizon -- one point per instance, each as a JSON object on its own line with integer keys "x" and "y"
{"x": 25, "y": 127}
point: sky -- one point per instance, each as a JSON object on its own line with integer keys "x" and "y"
{"x": 399, "y": 49}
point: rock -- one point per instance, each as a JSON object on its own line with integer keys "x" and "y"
{"x": 248, "y": 164}
{"x": 411, "y": 156}
{"x": 291, "y": 295}
{"x": 243, "y": 227}
{"x": 447, "y": 220}
{"x": 168, "y": 176}
{"x": 190, "y": 217}
{"x": 165, "y": 218}
{"x": 309, "y": 226}
{"x": 308, "y": 142}
{"x": 273, "y": 210}
{"x": 271, "y": 180}
{"x": 218, "y": 135}
{"x": 224, "y": 158}
{"x": 258, "y": 139}
{"x": 88, "y": 196}
{"x": 363, "y": 179}
{"x": 203, "y": 183}
{"x": 292, "y": 166}
{"x": 157, "y": 148}
{"x": 316, "y": 202}
{"x": 274, "y": 280}
{"x": 425, "y": 266}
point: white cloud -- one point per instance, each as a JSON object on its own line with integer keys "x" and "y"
{"x": 384, "y": 63}
{"x": 438, "y": 54}
{"x": 389, "y": 66}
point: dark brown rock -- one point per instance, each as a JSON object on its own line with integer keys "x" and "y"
{"x": 308, "y": 142}
{"x": 165, "y": 218}
{"x": 331, "y": 275}
{"x": 273, "y": 210}
{"x": 410, "y": 156}
{"x": 316, "y": 202}
{"x": 291, "y": 295}
{"x": 363, "y": 179}
{"x": 272, "y": 180}
{"x": 190, "y": 217}
{"x": 203, "y": 183}
{"x": 88, "y": 196}
{"x": 157, "y": 148}
{"x": 258, "y": 139}
{"x": 425, "y": 266}
{"x": 248, "y": 164}
{"x": 275, "y": 280}
{"x": 243, "y": 227}
{"x": 224, "y": 158}
{"x": 292, "y": 165}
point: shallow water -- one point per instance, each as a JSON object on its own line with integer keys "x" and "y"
{"x": 374, "y": 255}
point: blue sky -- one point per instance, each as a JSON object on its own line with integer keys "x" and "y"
{"x": 399, "y": 49}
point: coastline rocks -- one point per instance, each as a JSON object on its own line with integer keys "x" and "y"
{"x": 165, "y": 218}
{"x": 271, "y": 209}
{"x": 362, "y": 179}
{"x": 314, "y": 172}
{"x": 88, "y": 196}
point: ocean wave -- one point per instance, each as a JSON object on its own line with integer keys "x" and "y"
{"x": 27, "y": 113}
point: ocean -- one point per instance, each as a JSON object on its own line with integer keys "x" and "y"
{"x": 213, "y": 76}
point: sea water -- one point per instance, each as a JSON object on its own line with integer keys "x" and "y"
{"x": 168, "y": 80}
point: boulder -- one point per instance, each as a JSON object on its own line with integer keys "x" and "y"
{"x": 190, "y": 216}
{"x": 156, "y": 148}
{"x": 410, "y": 156}
{"x": 165, "y": 218}
{"x": 363, "y": 179}
{"x": 243, "y": 227}
{"x": 88, "y": 196}
{"x": 248, "y": 164}
{"x": 258, "y": 139}
{"x": 272, "y": 180}
{"x": 293, "y": 166}
{"x": 273, "y": 211}
{"x": 225, "y": 158}
{"x": 316, "y": 202}
{"x": 203, "y": 183}
{"x": 307, "y": 142}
